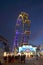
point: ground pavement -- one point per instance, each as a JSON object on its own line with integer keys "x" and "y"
{"x": 28, "y": 62}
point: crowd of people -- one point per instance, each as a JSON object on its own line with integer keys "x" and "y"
{"x": 13, "y": 58}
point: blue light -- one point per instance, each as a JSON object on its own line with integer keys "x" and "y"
{"x": 24, "y": 48}
{"x": 20, "y": 49}
{"x": 17, "y": 32}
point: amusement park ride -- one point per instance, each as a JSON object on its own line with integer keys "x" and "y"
{"x": 22, "y": 29}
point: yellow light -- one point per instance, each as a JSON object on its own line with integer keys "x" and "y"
{"x": 31, "y": 53}
{"x": 19, "y": 54}
{"x": 4, "y": 53}
{"x": 7, "y": 54}
{"x": 11, "y": 54}
{"x": 26, "y": 54}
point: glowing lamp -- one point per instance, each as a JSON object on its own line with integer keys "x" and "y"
{"x": 5, "y": 54}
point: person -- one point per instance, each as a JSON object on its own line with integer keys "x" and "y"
{"x": 0, "y": 63}
{"x": 23, "y": 58}
{"x": 36, "y": 57}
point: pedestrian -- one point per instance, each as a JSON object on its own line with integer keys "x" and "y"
{"x": 0, "y": 63}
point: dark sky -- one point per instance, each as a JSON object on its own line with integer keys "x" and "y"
{"x": 9, "y": 11}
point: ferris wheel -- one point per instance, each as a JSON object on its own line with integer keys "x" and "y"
{"x": 22, "y": 30}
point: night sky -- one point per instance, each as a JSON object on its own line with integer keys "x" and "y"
{"x": 9, "y": 11}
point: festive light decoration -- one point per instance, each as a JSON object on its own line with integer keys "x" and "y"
{"x": 22, "y": 29}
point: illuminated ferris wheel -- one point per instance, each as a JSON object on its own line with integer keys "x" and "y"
{"x": 22, "y": 30}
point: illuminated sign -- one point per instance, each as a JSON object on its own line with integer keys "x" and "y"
{"x": 27, "y": 47}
